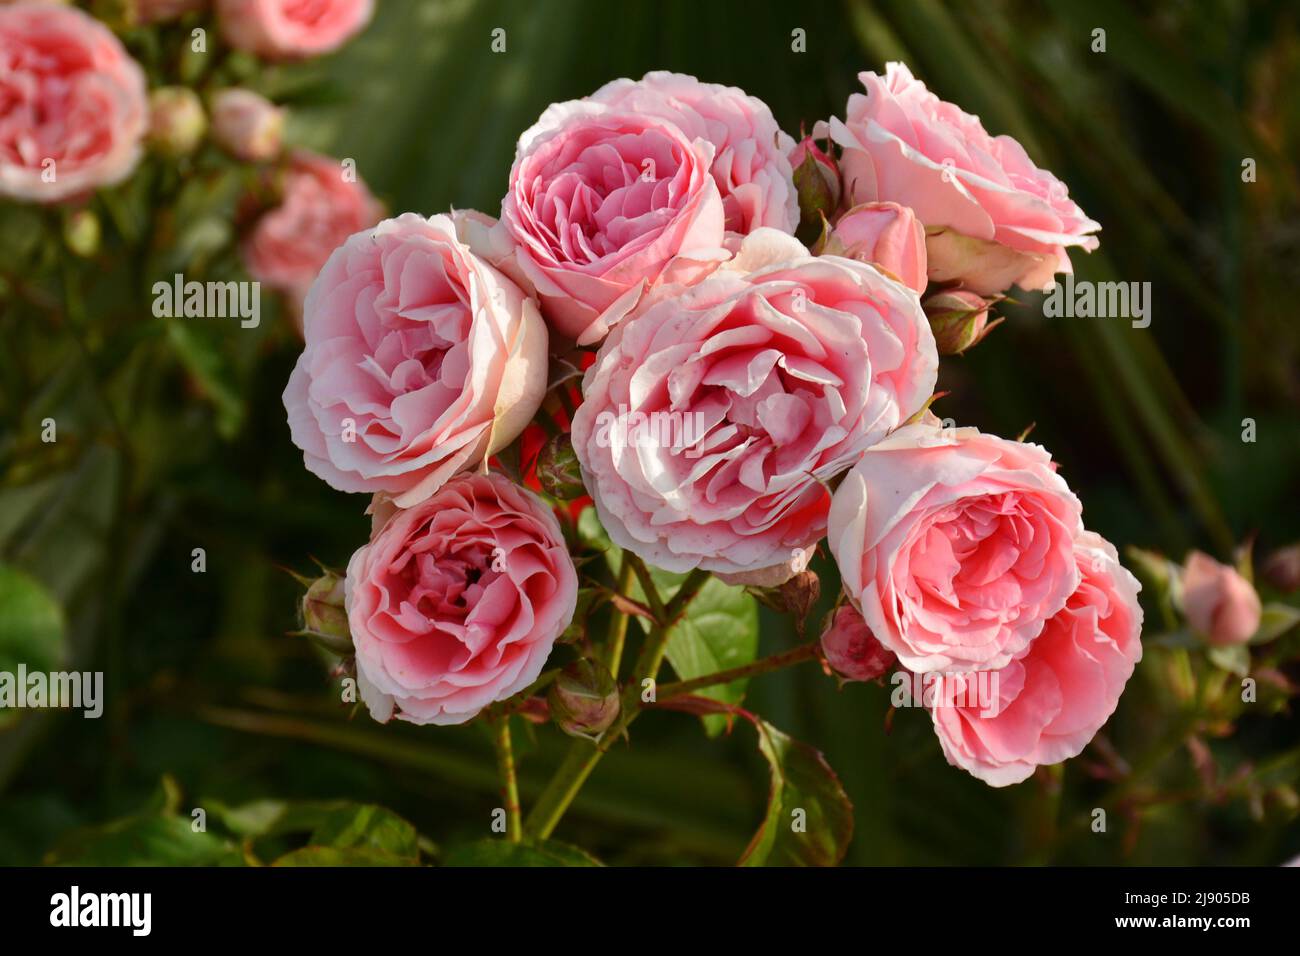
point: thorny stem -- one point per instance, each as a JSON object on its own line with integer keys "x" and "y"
{"x": 764, "y": 665}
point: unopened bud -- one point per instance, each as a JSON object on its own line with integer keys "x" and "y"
{"x": 324, "y": 615}
{"x": 584, "y": 698}
{"x": 246, "y": 125}
{"x": 885, "y": 234}
{"x": 852, "y": 650}
{"x": 959, "y": 319}
{"x": 558, "y": 469}
{"x": 817, "y": 179}
{"x": 1282, "y": 568}
{"x": 81, "y": 233}
{"x": 176, "y": 120}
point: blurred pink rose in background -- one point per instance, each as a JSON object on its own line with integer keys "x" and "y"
{"x": 1219, "y": 603}
{"x": 246, "y": 124}
{"x": 455, "y": 603}
{"x": 604, "y": 204}
{"x": 752, "y": 388}
{"x": 992, "y": 217}
{"x": 291, "y": 29}
{"x": 319, "y": 209}
{"x": 887, "y": 235}
{"x": 956, "y": 546}
{"x": 852, "y": 650}
{"x": 1051, "y": 702}
{"x": 435, "y": 358}
{"x": 158, "y": 11}
{"x": 750, "y": 152}
{"x": 73, "y": 110}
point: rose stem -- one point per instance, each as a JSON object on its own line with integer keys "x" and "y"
{"x": 618, "y": 623}
{"x": 764, "y": 665}
{"x": 509, "y": 781}
{"x": 583, "y": 756}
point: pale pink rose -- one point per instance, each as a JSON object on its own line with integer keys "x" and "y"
{"x": 319, "y": 209}
{"x": 292, "y": 29}
{"x": 852, "y": 650}
{"x": 887, "y": 235}
{"x": 73, "y": 109}
{"x": 956, "y": 546}
{"x": 1219, "y": 603}
{"x": 992, "y": 217}
{"x": 158, "y": 11}
{"x": 455, "y": 603}
{"x": 246, "y": 124}
{"x": 750, "y": 158}
{"x": 1046, "y": 706}
{"x": 710, "y": 420}
{"x": 603, "y": 205}
{"x": 420, "y": 361}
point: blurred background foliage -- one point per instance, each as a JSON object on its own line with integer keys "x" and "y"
{"x": 171, "y": 440}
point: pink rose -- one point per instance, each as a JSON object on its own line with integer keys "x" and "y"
{"x": 992, "y": 217}
{"x": 319, "y": 209}
{"x": 1046, "y": 706}
{"x": 852, "y": 650}
{"x": 604, "y": 204}
{"x": 246, "y": 124}
{"x": 887, "y": 235}
{"x": 158, "y": 11}
{"x": 292, "y": 29}
{"x": 1218, "y": 602}
{"x": 956, "y": 546}
{"x": 73, "y": 111}
{"x": 710, "y": 420}
{"x": 750, "y": 158}
{"x": 455, "y": 603}
{"x": 420, "y": 361}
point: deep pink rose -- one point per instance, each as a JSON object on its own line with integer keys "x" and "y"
{"x": 888, "y": 236}
{"x": 292, "y": 29}
{"x": 851, "y": 649}
{"x": 603, "y": 205}
{"x": 750, "y": 159}
{"x": 455, "y": 603}
{"x": 1050, "y": 703}
{"x": 420, "y": 361}
{"x": 319, "y": 209}
{"x": 956, "y": 546}
{"x": 992, "y": 217}
{"x": 710, "y": 420}
{"x": 1219, "y": 603}
{"x": 73, "y": 110}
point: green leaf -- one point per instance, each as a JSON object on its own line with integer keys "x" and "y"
{"x": 144, "y": 841}
{"x": 204, "y": 360}
{"x": 342, "y": 856}
{"x": 1233, "y": 658}
{"x": 809, "y": 819}
{"x": 1275, "y": 621}
{"x": 489, "y": 852}
{"x": 368, "y": 827}
{"x": 31, "y": 628}
{"x": 719, "y": 631}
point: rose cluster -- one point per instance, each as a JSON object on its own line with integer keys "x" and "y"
{"x": 744, "y": 397}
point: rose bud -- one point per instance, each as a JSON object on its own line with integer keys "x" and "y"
{"x": 81, "y": 233}
{"x": 558, "y": 469}
{"x": 795, "y": 596}
{"x": 817, "y": 179}
{"x": 885, "y": 234}
{"x": 959, "y": 319}
{"x": 246, "y": 125}
{"x": 852, "y": 650}
{"x": 1219, "y": 603}
{"x": 324, "y": 617}
{"x": 584, "y": 698}
{"x": 1282, "y": 568}
{"x": 176, "y": 120}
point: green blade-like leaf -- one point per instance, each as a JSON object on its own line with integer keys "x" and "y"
{"x": 490, "y": 852}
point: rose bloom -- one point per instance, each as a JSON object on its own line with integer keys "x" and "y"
{"x": 318, "y": 210}
{"x": 455, "y": 603}
{"x": 956, "y": 546}
{"x": 1050, "y": 703}
{"x": 851, "y": 649}
{"x": 751, "y": 155}
{"x": 887, "y": 235}
{"x": 1219, "y": 603}
{"x": 73, "y": 108}
{"x": 604, "y": 204}
{"x": 246, "y": 124}
{"x": 710, "y": 419}
{"x": 158, "y": 11}
{"x": 420, "y": 361}
{"x": 292, "y": 29}
{"x": 992, "y": 217}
